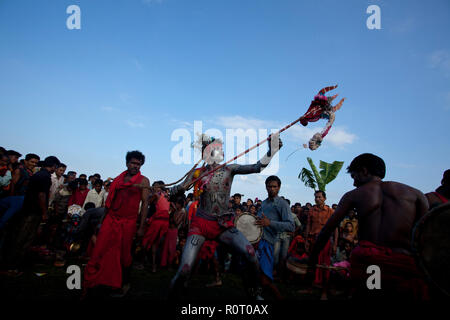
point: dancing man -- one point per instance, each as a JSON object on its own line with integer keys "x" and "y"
{"x": 213, "y": 220}
{"x": 387, "y": 213}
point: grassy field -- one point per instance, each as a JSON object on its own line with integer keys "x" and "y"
{"x": 144, "y": 285}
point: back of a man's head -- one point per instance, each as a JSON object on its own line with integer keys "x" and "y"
{"x": 446, "y": 178}
{"x": 373, "y": 164}
{"x": 51, "y": 161}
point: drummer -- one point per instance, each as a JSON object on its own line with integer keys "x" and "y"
{"x": 275, "y": 217}
{"x": 387, "y": 213}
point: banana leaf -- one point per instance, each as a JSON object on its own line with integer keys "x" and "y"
{"x": 307, "y": 178}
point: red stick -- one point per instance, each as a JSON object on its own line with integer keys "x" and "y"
{"x": 243, "y": 153}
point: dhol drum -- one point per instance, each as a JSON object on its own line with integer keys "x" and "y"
{"x": 296, "y": 266}
{"x": 74, "y": 210}
{"x": 431, "y": 243}
{"x": 245, "y": 223}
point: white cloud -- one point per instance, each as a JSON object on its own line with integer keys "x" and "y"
{"x": 239, "y": 122}
{"x": 133, "y": 124}
{"x": 337, "y": 136}
{"x": 440, "y": 59}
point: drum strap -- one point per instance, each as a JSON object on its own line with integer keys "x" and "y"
{"x": 441, "y": 197}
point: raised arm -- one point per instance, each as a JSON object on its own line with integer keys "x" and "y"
{"x": 275, "y": 144}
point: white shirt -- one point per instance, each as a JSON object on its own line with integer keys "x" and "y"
{"x": 95, "y": 197}
{"x": 56, "y": 183}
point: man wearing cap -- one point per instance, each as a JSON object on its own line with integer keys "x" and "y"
{"x": 24, "y": 225}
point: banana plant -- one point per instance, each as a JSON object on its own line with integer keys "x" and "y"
{"x": 319, "y": 179}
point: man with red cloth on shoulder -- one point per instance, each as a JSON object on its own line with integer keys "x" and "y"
{"x": 387, "y": 213}
{"x": 158, "y": 224}
{"x": 110, "y": 262}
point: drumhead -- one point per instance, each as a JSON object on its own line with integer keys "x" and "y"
{"x": 431, "y": 242}
{"x": 245, "y": 223}
{"x": 296, "y": 266}
{"x": 74, "y": 210}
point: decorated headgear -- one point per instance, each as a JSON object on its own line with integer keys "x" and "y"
{"x": 203, "y": 141}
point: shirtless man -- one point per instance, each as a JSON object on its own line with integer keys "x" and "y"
{"x": 387, "y": 213}
{"x": 213, "y": 220}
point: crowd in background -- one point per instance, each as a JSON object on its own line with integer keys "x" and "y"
{"x": 76, "y": 206}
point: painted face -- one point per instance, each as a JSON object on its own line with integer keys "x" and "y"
{"x": 213, "y": 153}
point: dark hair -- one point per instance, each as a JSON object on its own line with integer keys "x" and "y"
{"x": 89, "y": 205}
{"x": 71, "y": 173}
{"x": 135, "y": 155}
{"x": 97, "y": 175}
{"x": 62, "y": 165}
{"x": 82, "y": 175}
{"x": 273, "y": 178}
{"x": 298, "y": 204}
{"x": 446, "y": 178}
{"x": 89, "y": 178}
{"x": 374, "y": 165}
{"x": 83, "y": 182}
{"x": 30, "y": 156}
{"x": 288, "y": 201}
{"x": 98, "y": 181}
{"x": 237, "y": 195}
{"x": 323, "y": 193}
{"x": 13, "y": 153}
{"x": 51, "y": 161}
{"x": 180, "y": 200}
{"x": 73, "y": 185}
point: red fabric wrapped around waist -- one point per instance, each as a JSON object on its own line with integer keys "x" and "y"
{"x": 398, "y": 271}
{"x": 368, "y": 253}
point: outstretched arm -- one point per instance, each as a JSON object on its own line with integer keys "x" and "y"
{"x": 275, "y": 144}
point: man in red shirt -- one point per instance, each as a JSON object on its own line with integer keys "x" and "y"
{"x": 80, "y": 194}
{"x": 111, "y": 259}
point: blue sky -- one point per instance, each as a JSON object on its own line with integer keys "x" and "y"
{"x": 138, "y": 70}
